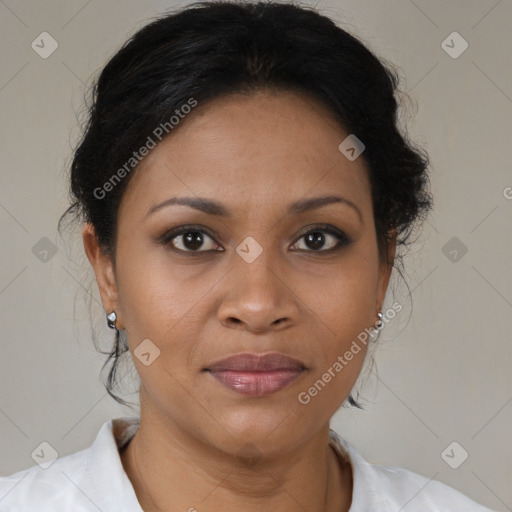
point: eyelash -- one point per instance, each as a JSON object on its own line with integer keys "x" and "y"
{"x": 343, "y": 239}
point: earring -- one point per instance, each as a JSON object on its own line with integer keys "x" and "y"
{"x": 379, "y": 324}
{"x": 111, "y": 320}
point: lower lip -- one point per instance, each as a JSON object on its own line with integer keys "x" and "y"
{"x": 256, "y": 383}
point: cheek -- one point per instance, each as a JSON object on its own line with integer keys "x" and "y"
{"x": 344, "y": 307}
{"x": 343, "y": 299}
{"x": 326, "y": 390}
{"x": 158, "y": 305}
{"x": 152, "y": 293}
{"x": 339, "y": 346}
{"x": 164, "y": 303}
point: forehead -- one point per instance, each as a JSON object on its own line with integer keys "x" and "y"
{"x": 267, "y": 148}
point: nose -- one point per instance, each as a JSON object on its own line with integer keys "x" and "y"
{"x": 259, "y": 297}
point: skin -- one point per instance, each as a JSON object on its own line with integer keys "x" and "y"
{"x": 255, "y": 154}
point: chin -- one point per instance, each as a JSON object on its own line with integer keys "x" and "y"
{"x": 269, "y": 429}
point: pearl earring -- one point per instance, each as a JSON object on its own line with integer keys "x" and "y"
{"x": 379, "y": 324}
{"x": 111, "y": 320}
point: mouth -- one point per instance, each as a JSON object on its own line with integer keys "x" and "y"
{"x": 256, "y": 374}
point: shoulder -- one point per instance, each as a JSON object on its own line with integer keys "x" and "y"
{"x": 88, "y": 480}
{"x": 412, "y": 492}
{"x": 388, "y": 489}
{"x": 44, "y": 486}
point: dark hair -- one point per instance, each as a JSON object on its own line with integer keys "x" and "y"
{"x": 210, "y": 49}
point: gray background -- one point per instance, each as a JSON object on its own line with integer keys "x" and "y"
{"x": 443, "y": 376}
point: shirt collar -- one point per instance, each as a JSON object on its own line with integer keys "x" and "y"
{"x": 367, "y": 493}
{"x": 112, "y": 487}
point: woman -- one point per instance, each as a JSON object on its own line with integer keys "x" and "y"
{"x": 244, "y": 188}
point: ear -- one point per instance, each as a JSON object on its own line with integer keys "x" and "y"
{"x": 103, "y": 270}
{"x": 386, "y": 267}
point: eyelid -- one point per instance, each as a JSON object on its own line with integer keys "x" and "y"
{"x": 322, "y": 227}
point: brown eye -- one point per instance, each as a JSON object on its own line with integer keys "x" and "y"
{"x": 322, "y": 240}
{"x": 189, "y": 239}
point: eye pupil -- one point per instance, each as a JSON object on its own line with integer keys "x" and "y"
{"x": 193, "y": 240}
{"x": 315, "y": 240}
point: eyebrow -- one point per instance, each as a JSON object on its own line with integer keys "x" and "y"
{"x": 212, "y": 207}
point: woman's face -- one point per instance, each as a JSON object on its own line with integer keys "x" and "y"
{"x": 263, "y": 277}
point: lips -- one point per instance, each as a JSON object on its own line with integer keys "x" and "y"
{"x": 257, "y": 363}
{"x": 256, "y": 374}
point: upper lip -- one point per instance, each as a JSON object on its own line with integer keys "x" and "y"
{"x": 250, "y": 362}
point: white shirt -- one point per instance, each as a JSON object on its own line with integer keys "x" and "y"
{"x": 94, "y": 479}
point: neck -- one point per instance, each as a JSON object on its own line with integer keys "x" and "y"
{"x": 173, "y": 471}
